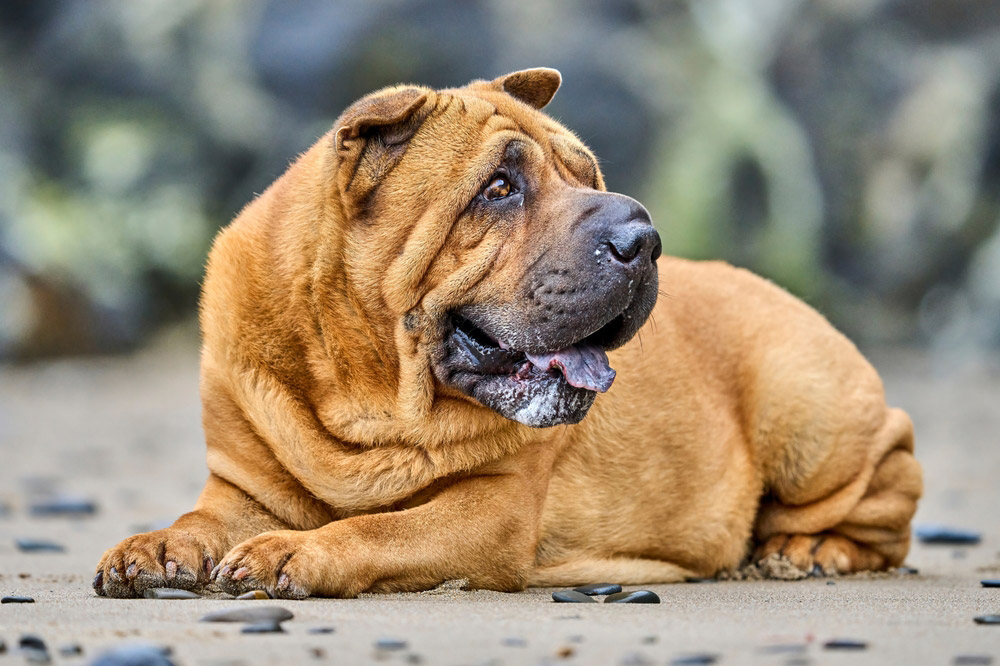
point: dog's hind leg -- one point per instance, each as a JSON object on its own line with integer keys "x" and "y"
{"x": 622, "y": 570}
{"x": 861, "y": 524}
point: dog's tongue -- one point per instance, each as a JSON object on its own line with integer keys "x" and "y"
{"x": 584, "y": 366}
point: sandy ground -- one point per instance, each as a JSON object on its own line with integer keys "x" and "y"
{"x": 126, "y": 432}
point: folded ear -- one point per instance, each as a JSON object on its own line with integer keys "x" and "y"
{"x": 372, "y": 135}
{"x": 535, "y": 86}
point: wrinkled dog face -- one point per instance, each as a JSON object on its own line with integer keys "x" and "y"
{"x": 556, "y": 271}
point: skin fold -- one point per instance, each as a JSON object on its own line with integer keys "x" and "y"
{"x": 352, "y": 446}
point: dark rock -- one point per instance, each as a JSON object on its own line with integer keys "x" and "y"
{"x": 831, "y": 582}
{"x": 987, "y": 619}
{"x": 320, "y": 630}
{"x": 63, "y": 505}
{"x": 32, "y": 642}
{"x": 250, "y": 614}
{"x": 514, "y": 641}
{"x": 695, "y": 659}
{"x": 38, "y": 546}
{"x": 598, "y": 588}
{"x": 571, "y": 597}
{"x": 973, "y": 660}
{"x": 17, "y": 599}
{"x": 390, "y": 644}
{"x": 70, "y": 650}
{"x": 845, "y": 644}
{"x": 169, "y": 593}
{"x": 942, "y": 534}
{"x": 254, "y": 594}
{"x": 135, "y": 655}
{"x": 633, "y": 597}
{"x": 267, "y": 627}
{"x": 990, "y": 582}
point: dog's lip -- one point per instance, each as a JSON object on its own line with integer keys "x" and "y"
{"x": 583, "y": 364}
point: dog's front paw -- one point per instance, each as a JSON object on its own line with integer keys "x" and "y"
{"x": 279, "y": 563}
{"x": 820, "y": 554}
{"x": 164, "y": 558}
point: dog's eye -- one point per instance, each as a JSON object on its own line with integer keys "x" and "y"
{"x": 498, "y": 188}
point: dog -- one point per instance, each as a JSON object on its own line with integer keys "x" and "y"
{"x": 404, "y": 342}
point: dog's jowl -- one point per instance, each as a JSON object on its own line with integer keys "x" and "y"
{"x": 433, "y": 350}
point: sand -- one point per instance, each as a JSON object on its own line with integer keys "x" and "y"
{"x": 126, "y": 432}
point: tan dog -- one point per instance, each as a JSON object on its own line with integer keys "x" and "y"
{"x": 390, "y": 326}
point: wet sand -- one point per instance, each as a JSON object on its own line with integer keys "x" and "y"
{"x": 126, "y": 432}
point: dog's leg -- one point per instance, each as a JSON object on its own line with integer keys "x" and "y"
{"x": 623, "y": 570}
{"x": 482, "y": 528}
{"x": 184, "y": 554}
{"x": 863, "y": 523}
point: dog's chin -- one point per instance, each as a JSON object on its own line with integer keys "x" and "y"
{"x": 537, "y": 389}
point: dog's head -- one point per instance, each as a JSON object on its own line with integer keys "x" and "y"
{"x": 478, "y": 236}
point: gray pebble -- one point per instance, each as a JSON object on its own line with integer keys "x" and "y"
{"x": 942, "y": 534}
{"x": 135, "y": 655}
{"x": 990, "y": 582}
{"x": 514, "y": 641}
{"x": 633, "y": 597}
{"x": 831, "y": 582}
{"x": 845, "y": 644}
{"x": 695, "y": 659}
{"x": 250, "y": 613}
{"x": 571, "y": 597}
{"x": 17, "y": 599}
{"x": 268, "y": 627}
{"x": 70, "y": 650}
{"x": 907, "y": 571}
{"x": 38, "y": 546}
{"x": 649, "y": 640}
{"x": 33, "y": 656}
{"x": 254, "y": 594}
{"x": 598, "y": 588}
{"x": 783, "y": 648}
{"x": 390, "y": 644}
{"x": 169, "y": 593}
{"x": 973, "y": 660}
{"x": 987, "y": 619}
{"x": 320, "y": 630}
{"x": 635, "y": 659}
{"x": 63, "y": 505}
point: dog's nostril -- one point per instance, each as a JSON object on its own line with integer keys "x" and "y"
{"x": 630, "y": 240}
{"x": 624, "y": 251}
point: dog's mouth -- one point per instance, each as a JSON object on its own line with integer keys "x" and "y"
{"x": 539, "y": 386}
{"x": 583, "y": 365}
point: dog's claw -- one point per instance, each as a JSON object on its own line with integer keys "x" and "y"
{"x": 209, "y": 566}
{"x": 132, "y": 571}
{"x": 241, "y": 573}
{"x": 98, "y": 583}
{"x": 284, "y": 582}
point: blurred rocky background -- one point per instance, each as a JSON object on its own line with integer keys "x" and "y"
{"x": 848, "y": 149}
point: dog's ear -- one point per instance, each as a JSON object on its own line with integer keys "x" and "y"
{"x": 535, "y": 86}
{"x": 372, "y": 134}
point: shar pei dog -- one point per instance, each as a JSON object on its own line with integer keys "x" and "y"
{"x": 404, "y": 342}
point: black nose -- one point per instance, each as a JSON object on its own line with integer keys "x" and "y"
{"x": 627, "y": 241}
